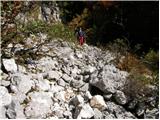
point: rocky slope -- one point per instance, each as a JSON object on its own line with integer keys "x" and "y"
{"x": 68, "y": 81}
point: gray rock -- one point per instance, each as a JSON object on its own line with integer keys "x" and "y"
{"x": 2, "y": 112}
{"x": 140, "y": 109}
{"x": 69, "y": 94}
{"x": 43, "y": 85}
{"x": 66, "y": 70}
{"x": 120, "y": 97}
{"x": 87, "y": 96}
{"x": 75, "y": 70}
{"x": 64, "y": 96}
{"x": 19, "y": 111}
{"x": 152, "y": 114}
{"x": 67, "y": 114}
{"x": 85, "y": 112}
{"x": 107, "y": 80}
{"x": 77, "y": 100}
{"x": 79, "y": 55}
{"x": 65, "y": 44}
{"x": 5, "y": 97}
{"x": 60, "y": 96}
{"x": 19, "y": 97}
{"x": 14, "y": 89}
{"x": 50, "y": 13}
{"x": 9, "y": 65}
{"x": 47, "y": 64}
{"x": 15, "y": 110}
{"x": 56, "y": 88}
{"x": 22, "y": 82}
{"x": 63, "y": 51}
{"x": 97, "y": 114}
{"x": 39, "y": 105}
{"x": 54, "y": 75}
{"x": 21, "y": 69}
{"x": 4, "y": 76}
{"x": 38, "y": 76}
{"x": 132, "y": 104}
{"x": 97, "y": 101}
{"x": 118, "y": 111}
{"x": 107, "y": 115}
{"x": 58, "y": 110}
{"x": 85, "y": 87}
{"x": 61, "y": 82}
{"x": 89, "y": 70}
{"x": 11, "y": 113}
{"x": 107, "y": 96}
{"x": 66, "y": 78}
{"x": 4, "y": 82}
{"x": 77, "y": 83}
{"x": 152, "y": 101}
{"x": 86, "y": 78}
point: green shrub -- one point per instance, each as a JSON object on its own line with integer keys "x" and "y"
{"x": 56, "y": 30}
{"x": 152, "y": 60}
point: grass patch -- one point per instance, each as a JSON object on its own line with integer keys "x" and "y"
{"x": 57, "y": 30}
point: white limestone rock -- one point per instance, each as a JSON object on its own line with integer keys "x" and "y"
{"x": 22, "y": 82}
{"x": 109, "y": 79}
{"x": 86, "y": 112}
{"x": 5, "y": 97}
{"x": 10, "y": 65}
{"x": 54, "y": 75}
{"x": 43, "y": 85}
{"x": 39, "y": 105}
{"x": 97, "y": 101}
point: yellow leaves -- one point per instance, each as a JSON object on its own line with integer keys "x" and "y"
{"x": 131, "y": 63}
{"x": 80, "y": 20}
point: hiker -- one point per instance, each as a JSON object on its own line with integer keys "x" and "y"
{"x": 80, "y": 35}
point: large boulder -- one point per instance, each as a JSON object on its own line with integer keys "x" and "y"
{"x": 109, "y": 79}
{"x": 39, "y": 104}
{"x": 21, "y": 82}
{"x": 118, "y": 111}
{"x": 9, "y": 65}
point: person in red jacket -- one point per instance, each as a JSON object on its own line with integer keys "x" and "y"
{"x": 80, "y": 35}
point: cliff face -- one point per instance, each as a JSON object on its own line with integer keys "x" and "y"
{"x": 45, "y": 11}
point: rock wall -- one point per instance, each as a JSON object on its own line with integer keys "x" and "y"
{"x": 61, "y": 83}
{"x": 33, "y": 11}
